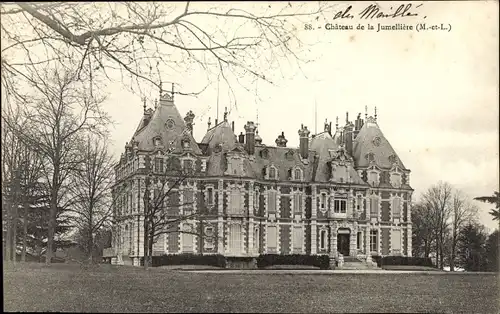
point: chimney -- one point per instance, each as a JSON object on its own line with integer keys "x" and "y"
{"x": 241, "y": 138}
{"x": 250, "y": 137}
{"x": 348, "y": 138}
{"x": 189, "y": 120}
{"x": 357, "y": 125}
{"x": 304, "y": 142}
{"x": 281, "y": 140}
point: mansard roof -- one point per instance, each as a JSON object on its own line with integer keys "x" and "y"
{"x": 166, "y": 122}
{"x": 221, "y": 134}
{"x": 371, "y": 144}
{"x": 283, "y": 158}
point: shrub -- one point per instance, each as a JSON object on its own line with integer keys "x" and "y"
{"x": 188, "y": 259}
{"x": 240, "y": 262}
{"x": 403, "y": 260}
{"x": 321, "y": 261}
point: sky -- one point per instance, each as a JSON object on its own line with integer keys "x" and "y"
{"x": 436, "y": 92}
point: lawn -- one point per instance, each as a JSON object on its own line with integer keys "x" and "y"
{"x": 69, "y": 288}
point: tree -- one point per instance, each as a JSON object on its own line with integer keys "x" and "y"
{"x": 437, "y": 199}
{"x": 142, "y": 40}
{"x": 21, "y": 174}
{"x": 471, "y": 247}
{"x": 462, "y": 211}
{"x": 59, "y": 110}
{"x": 423, "y": 238}
{"x": 494, "y": 199}
{"x": 91, "y": 191}
{"x": 492, "y": 249}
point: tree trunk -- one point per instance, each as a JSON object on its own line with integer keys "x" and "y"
{"x": 25, "y": 233}
{"x": 14, "y": 226}
{"x": 8, "y": 237}
{"x": 146, "y": 240}
{"x": 91, "y": 247}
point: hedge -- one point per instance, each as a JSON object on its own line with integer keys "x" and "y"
{"x": 188, "y": 259}
{"x": 321, "y": 261}
{"x": 402, "y": 260}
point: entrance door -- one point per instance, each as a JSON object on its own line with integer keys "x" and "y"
{"x": 343, "y": 244}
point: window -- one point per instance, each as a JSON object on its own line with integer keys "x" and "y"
{"x": 373, "y": 241}
{"x": 396, "y": 241}
{"x": 322, "y": 201}
{"x": 256, "y": 198}
{"x": 272, "y": 173}
{"x": 358, "y": 241}
{"x": 187, "y": 239}
{"x": 297, "y": 203}
{"x": 373, "y": 177}
{"x": 297, "y": 239}
{"x": 298, "y": 174}
{"x": 396, "y": 207}
{"x": 235, "y": 239}
{"x": 272, "y": 238}
{"x": 322, "y": 239}
{"x": 256, "y": 239}
{"x": 374, "y": 207}
{"x": 158, "y": 165}
{"x": 130, "y": 238}
{"x": 210, "y": 197}
{"x": 188, "y": 165}
{"x": 340, "y": 206}
{"x": 235, "y": 202}
{"x": 271, "y": 201}
{"x": 396, "y": 180}
{"x": 359, "y": 203}
{"x": 188, "y": 200}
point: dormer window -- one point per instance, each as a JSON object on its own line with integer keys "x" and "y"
{"x": 297, "y": 174}
{"x": 373, "y": 178}
{"x": 272, "y": 173}
{"x": 264, "y": 154}
{"x": 186, "y": 144}
{"x": 188, "y": 165}
{"x": 396, "y": 179}
{"x": 157, "y": 141}
{"x": 158, "y": 165}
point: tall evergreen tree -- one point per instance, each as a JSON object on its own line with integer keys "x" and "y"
{"x": 471, "y": 248}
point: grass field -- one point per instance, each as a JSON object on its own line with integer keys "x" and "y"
{"x": 69, "y": 288}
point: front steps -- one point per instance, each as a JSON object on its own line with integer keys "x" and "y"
{"x": 354, "y": 263}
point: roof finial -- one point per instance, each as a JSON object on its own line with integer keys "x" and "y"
{"x": 161, "y": 90}
{"x": 375, "y": 114}
{"x": 337, "y": 123}
{"x": 366, "y": 112}
{"x": 346, "y": 117}
{"x": 225, "y": 113}
{"x": 172, "y": 91}
{"x": 156, "y": 103}
{"x": 144, "y": 100}
{"x": 209, "y": 123}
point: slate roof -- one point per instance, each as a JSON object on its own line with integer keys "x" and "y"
{"x": 366, "y": 143}
{"x": 157, "y": 126}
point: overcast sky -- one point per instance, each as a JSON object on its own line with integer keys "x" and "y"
{"x": 436, "y": 94}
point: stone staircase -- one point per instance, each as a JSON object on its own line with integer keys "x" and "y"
{"x": 354, "y": 263}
